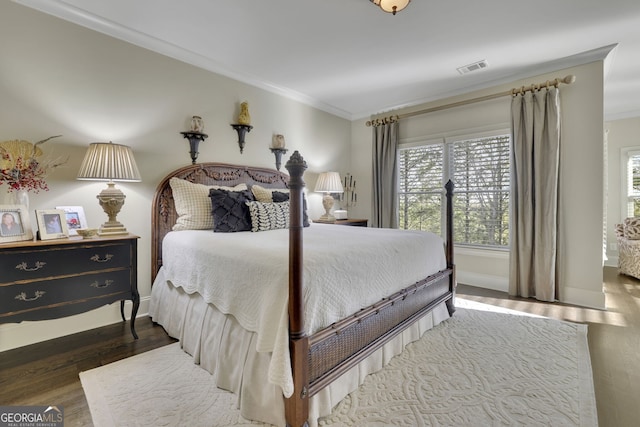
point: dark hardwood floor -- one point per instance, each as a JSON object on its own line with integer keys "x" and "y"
{"x": 47, "y": 373}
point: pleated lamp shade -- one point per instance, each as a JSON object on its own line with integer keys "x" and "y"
{"x": 329, "y": 182}
{"x": 110, "y": 162}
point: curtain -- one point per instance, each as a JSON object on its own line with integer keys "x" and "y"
{"x": 385, "y": 189}
{"x": 533, "y": 263}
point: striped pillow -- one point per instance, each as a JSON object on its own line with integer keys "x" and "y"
{"x": 193, "y": 205}
{"x": 268, "y": 216}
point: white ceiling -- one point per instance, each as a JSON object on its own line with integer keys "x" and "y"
{"x": 351, "y": 59}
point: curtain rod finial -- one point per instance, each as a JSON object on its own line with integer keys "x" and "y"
{"x": 569, "y": 79}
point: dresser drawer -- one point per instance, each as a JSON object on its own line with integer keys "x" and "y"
{"x": 25, "y": 300}
{"x": 35, "y": 263}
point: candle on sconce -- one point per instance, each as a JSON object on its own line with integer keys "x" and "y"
{"x": 277, "y": 141}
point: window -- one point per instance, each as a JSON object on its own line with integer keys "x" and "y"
{"x": 633, "y": 182}
{"x": 479, "y": 167}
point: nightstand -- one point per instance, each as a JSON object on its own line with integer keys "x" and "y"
{"x": 56, "y": 278}
{"x": 355, "y": 222}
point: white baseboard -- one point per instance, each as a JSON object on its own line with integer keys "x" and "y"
{"x": 583, "y": 297}
{"x": 575, "y": 296}
{"x": 612, "y": 261}
{"x": 14, "y": 335}
{"x": 485, "y": 281}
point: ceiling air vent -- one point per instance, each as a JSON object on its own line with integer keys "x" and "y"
{"x": 473, "y": 67}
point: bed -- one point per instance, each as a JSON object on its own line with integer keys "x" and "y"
{"x": 290, "y": 335}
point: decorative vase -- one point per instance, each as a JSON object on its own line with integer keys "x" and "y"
{"x": 17, "y": 197}
{"x": 197, "y": 124}
{"x": 22, "y": 198}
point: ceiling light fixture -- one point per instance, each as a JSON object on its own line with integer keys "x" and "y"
{"x": 391, "y": 6}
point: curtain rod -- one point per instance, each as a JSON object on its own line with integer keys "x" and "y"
{"x": 513, "y": 92}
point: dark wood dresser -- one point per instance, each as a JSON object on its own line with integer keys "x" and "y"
{"x": 354, "y": 222}
{"x": 42, "y": 280}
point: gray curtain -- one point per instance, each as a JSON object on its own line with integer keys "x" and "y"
{"x": 535, "y": 120}
{"x": 385, "y": 200}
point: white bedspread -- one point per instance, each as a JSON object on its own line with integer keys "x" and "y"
{"x": 345, "y": 269}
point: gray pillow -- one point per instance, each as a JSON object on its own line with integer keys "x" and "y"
{"x": 279, "y": 196}
{"x": 230, "y": 210}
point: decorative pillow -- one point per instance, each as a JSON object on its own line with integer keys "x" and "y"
{"x": 632, "y": 228}
{"x": 230, "y": 210}
{"x": 265, "y": 195}
{"x": 619, "y": 230}
{"x": 282, "y": 197}
{"x": 193, "y": 204}
{"x": 268, "y": 216}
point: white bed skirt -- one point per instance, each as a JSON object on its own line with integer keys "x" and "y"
{"x": 224, "y": 348}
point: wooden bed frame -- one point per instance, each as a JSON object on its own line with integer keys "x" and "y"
{"x": 319, "y": 359}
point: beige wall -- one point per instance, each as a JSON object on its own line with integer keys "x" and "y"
{"x": 581, "y": 177}
{"x": 59, "y": 78}
{"x": 621, "y": 135}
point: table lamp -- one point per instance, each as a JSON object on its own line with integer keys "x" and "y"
{"x": 328, "y": 182}
{"x": 106, "y": 161}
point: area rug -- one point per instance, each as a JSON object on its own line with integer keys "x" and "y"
{"x": 484, "y": 366}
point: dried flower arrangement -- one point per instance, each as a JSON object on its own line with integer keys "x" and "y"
{"x": 21, "y": 167}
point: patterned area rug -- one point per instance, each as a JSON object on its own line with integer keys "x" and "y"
{"x": 483, "y": 367}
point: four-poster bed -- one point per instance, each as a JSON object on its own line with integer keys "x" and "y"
{"x": 327, "y": 358}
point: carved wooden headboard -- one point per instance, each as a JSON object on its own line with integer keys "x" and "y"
{"x": 163, "y": 214}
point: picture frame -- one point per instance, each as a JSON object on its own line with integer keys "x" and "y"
{"x": 15, "y": 224}
{"x": 52, "y": 224}
{"x": 75, "y": 218}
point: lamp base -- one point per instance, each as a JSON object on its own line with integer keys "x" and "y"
{"x": 327, "y": 203}
{"x": 108, "y": 229}
{"x": 111, "y": 199}
{"x": 326, "y": 218}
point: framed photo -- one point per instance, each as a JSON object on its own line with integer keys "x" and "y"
{"x": 15, "y": 224}
{"x": 75, "y": 218}
{"x": 52, "y": 224}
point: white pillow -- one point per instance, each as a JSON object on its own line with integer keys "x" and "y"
{"x": 193, "y": 204}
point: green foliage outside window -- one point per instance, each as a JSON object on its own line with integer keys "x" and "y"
{"x": 479, "y": 168}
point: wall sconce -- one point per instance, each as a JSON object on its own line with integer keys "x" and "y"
{"x": 110, "y": 162}
{"x": 328, "y": 182}
{"x": 194, "y": 141}
{"x": 243, "y": 124}
{"x": 278, "y": 152}
{"x": 277, "y": 148}
{"x": 242, "y": 131}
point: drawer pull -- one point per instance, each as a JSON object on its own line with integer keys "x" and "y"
{"x": 22, "y": 296}
{"x": 106, "y": 284}
{"x": 97, "y": 258}
{"x": 38, "y": 265}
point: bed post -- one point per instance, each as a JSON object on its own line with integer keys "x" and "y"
{"x": 449, "y": 249}
{"x": 297, "y": 406}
